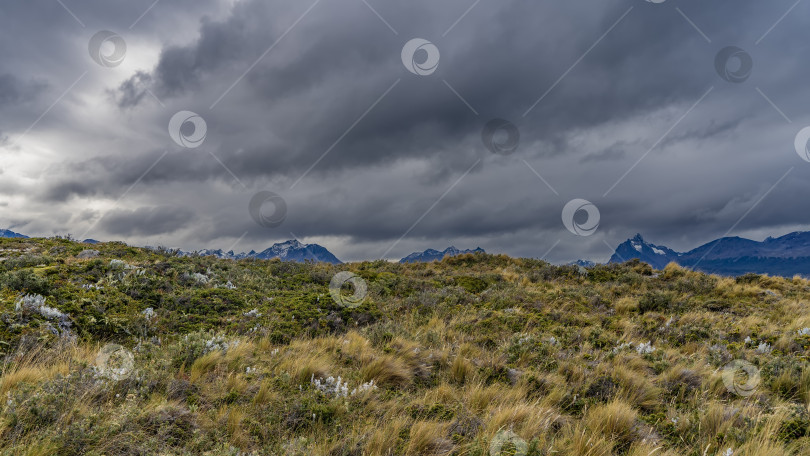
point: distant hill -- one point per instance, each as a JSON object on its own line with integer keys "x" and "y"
{"x": 583, "y": 263}
{"x": 11, "y": 234}
{"x": 286, "y": 251}
{"x": 434, "y": 255}
{"x": 785, "y": 256}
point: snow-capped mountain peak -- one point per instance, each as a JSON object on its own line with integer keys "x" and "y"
{"x": 291, "y": 250}
{"x": 636, "y": 247}
{"x": 786, "y": 255}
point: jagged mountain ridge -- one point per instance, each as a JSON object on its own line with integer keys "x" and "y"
{"x": 291, "y": 250}
{"x": 786, "y": 255}
{"x": 434, "y": 255}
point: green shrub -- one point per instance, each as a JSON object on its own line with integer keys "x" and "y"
{"x": 655, "y": 301}
{"x": 471, "y": 284}
{"x": 26, "y": 281}
{"x": 26, "y": 261}
{"x": 794, "y": 429}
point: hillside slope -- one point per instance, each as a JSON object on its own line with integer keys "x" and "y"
{"x": 127, "y": 351}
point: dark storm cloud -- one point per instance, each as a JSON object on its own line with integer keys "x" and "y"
{"x": 273, "y": 108}
{"x": 309, "y": 98}
{"x": 14, "y": 90}
{"x": 132, "y": 91}
{"x": 146, "y": 220}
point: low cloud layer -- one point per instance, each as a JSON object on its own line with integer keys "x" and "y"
{"x": 617, "y": 103}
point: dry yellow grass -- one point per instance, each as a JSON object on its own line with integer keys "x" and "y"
{"x": 461, "y": 370}
{"x": 626, "y": 305}
{"x": 428, "y": 439}
{"x": 383, "y": 439}
{"x": 30, "y": 372}
{"x": 205, "y": 364}
{"x": 388, "y": 370}
{"x": 453, "y": 369}
{"x": 615, "y": 421}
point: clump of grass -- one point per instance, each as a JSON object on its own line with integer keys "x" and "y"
{"x": 205, "y": 364}
{"x": 461, "y": 370}
{"x": 388, "y": 371}
{"x": 428, "y": 438}
{"x": 615, "y": 421}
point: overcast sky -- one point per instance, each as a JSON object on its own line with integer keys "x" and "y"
{"x": 376, "y": 143}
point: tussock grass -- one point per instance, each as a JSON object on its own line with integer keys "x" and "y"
{"x": 428, "y": 438}
{"x": 205, "y": 364}
{"x": 460, "y": 352}
{"x": 388, "y": 370}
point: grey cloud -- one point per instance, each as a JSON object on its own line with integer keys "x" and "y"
{"x": 309, "y": 100}
{"x": 132, "y": 91}
{"x": 13, "y": 90}
{"x": 146, "y": 220}
{"x": 614, "y": 152}
{"x": 409, "y": 149}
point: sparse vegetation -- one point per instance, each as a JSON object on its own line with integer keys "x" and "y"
{"x": 474, "y": 354}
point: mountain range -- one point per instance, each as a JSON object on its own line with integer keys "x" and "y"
{"x": 292, "y": 250}
{"x": 785, "y": 256}
{"x": 434, "y": 255}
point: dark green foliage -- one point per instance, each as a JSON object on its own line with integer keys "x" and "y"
{"x": 26, "y": 261}
{"x": 438, "y": 412}
{"x": 25, "y": 280}
{"x": 655, "y": 301}
{"x": 794, "y": 429}
{"x": 471, "y": 284}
